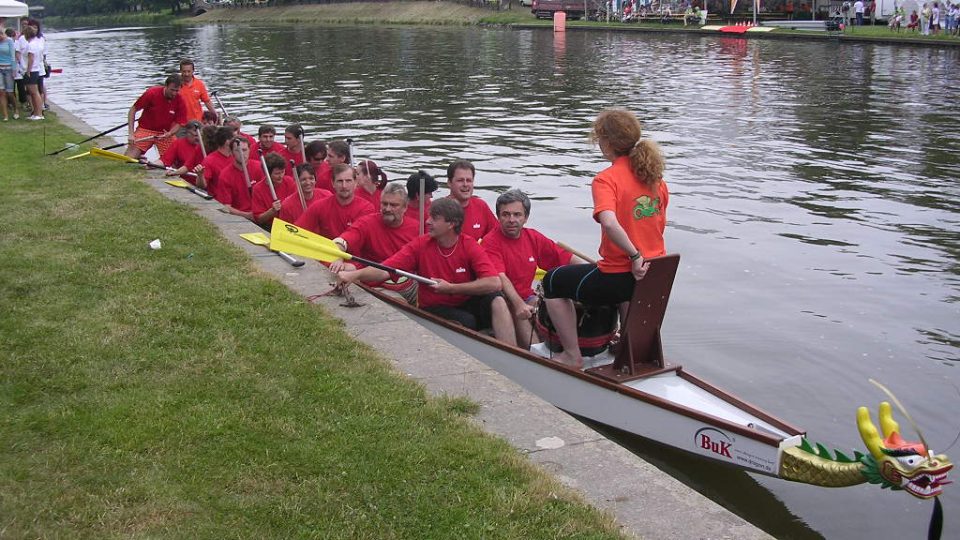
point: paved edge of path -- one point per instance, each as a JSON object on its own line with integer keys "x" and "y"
{"x": 645, "y": 501}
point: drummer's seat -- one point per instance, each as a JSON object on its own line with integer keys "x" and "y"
{"x": 641, "y": 352}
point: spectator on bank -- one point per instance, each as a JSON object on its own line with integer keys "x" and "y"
{"x": 897, "y": 20}
{"x": 8, "y": 59}
{"x": 925, "y": 14}
{"x": 914, "y": 21}
{"x": 935, "y": 18}
{"x": 858, "y": 11}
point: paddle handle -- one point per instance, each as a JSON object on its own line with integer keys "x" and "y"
{"x": 219, "y": 103}
{"x": 290, "y": 259}
{"x": 303, "y": 199}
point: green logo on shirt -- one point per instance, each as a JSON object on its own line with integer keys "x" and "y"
{"x": 646, "y": 207}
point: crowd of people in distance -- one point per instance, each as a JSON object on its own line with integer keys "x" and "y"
{"x": 23, "y": 68}
{"x": 932, "y": 19}
{"x": 483, "y": 263}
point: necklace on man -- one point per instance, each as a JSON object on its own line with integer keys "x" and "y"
{"x": 447, "y": 255}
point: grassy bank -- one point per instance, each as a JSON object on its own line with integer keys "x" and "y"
{"x": 181, "y": 393}
{"x": 428, "y": 13}
{"x": 113, "y": 19}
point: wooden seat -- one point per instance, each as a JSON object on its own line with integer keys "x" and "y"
{"x": 641, "y": 351}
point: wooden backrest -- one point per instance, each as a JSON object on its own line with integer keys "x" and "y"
{"x": 640, "y": 347}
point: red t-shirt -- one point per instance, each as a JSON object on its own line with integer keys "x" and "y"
{"x": 372, "y": 198}
{"x": 478, "y": 220}
{"x": 641, "y": 212}
{"x": 233, "y": 191}
{"x": 467, "y": 262}
{"x": 287, "y": 156}
{"x": 291, "y": 209}
{"x": 255, "y": 150}
{"x": 369, "y": 238}
{"x": 413, "y": 212}
{"x": 160, "y": 113}
{"x": 212, "y": 165}
{"x": 263, "y": 201}
{"x": 329, "y": 218}
{"x": 181, "y": 153}
{"x": 518, "y": 258}
{"x": 325, "y": 176}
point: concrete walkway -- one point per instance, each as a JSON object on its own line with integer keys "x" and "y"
{"x": 645, "y": 501}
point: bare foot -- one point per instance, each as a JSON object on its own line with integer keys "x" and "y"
{"x": 572, "y": 360}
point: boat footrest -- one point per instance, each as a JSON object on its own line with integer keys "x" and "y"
{"x": 611, "y": 373}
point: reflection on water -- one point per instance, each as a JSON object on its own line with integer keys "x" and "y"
{"x": 814, "y": 193}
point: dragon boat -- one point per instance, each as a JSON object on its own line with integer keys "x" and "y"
{"x": 639, "y": 391}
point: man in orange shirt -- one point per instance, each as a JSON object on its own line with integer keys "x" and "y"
{"x": 193, "y": 91}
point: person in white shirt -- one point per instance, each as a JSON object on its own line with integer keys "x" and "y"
{"x": 858, "y": 10}
{"x": 31, "y": 72}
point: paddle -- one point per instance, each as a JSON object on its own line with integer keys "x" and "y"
{"x": 111, "y": 147}
{"x": 219, "y": 103}
{"x": 303, "y": 199}
{"x": 261, "y": 239}
{"x": 266, "y": 171}
{"x": 590, "y": 260}
{"x": 99, "y": 152}
{"x": 246, "y": 173}
{"x": 88, "y": 139}
{"x": 288, "y": 237}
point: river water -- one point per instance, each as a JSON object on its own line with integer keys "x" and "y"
{"x": 815, "y": 197}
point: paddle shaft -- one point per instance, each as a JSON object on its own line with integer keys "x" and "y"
{"x": 385, "y": 268}
{"x": 266, "y": 171}
{"x": 246, "y": 173}
{"x": 580, "y": 254}
{"x": 303, "y": 199}
{"x": 164, "y": 167}
{"x": 303, "y": 145}
{"x": 88, "y": 139}
{"x": 220, "y": 103}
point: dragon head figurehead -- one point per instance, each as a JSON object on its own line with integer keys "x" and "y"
{"x": 899, "y": 464}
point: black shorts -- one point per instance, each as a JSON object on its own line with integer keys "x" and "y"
{"x": 31, "y": 78}
{"x": 476, "y": 313}
{"x": 585, "y": 283}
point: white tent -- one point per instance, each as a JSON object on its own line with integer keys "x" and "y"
{"x": 12, "y": 8}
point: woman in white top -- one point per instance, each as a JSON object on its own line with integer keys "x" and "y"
{"x": 31, "y": 74}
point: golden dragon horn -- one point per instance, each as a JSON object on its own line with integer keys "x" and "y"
{"x": 868, "y": 432}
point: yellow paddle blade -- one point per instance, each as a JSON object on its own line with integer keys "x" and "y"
{"x": 112, "y": 155}
{"x": 178, "y": 183}
{"x": 539, "y": 275}
{"x": 78, "y": 156}
{"x": 258, "y": 238}
{"x": 291, "y": 239}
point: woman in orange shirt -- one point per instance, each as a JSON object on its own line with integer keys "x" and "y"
{"x": 630, "y": 203}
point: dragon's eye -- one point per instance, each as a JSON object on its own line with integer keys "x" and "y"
{"x": 910, "y": 461}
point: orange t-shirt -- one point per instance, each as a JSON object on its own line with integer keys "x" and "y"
{"x": 640, "y": 210}
{"x": 194, "y": 95}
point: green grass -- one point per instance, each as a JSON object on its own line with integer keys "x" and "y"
{"x": 114, "y": 19}
{"x": 180, "y": 393}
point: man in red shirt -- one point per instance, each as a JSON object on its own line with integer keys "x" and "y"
{"x": 333, "y": 215}
{"x": 234, "y": 122}
{"x": 234, "y": 193}
{"x": 292, "y": 208}
{"x": 265, "y": 206}
{"x": 184, "y": 155}
{"x": 266, "y": 137}
{"x": 517, "y": 251}
{"x": 163, "y": 114}
{"x": 217, "y": 160}
{"x": 193, "y": 92}
{"x": 478, "y": 220}
{"x": 467, "y": 289}
{"x": 378, "y": 236}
